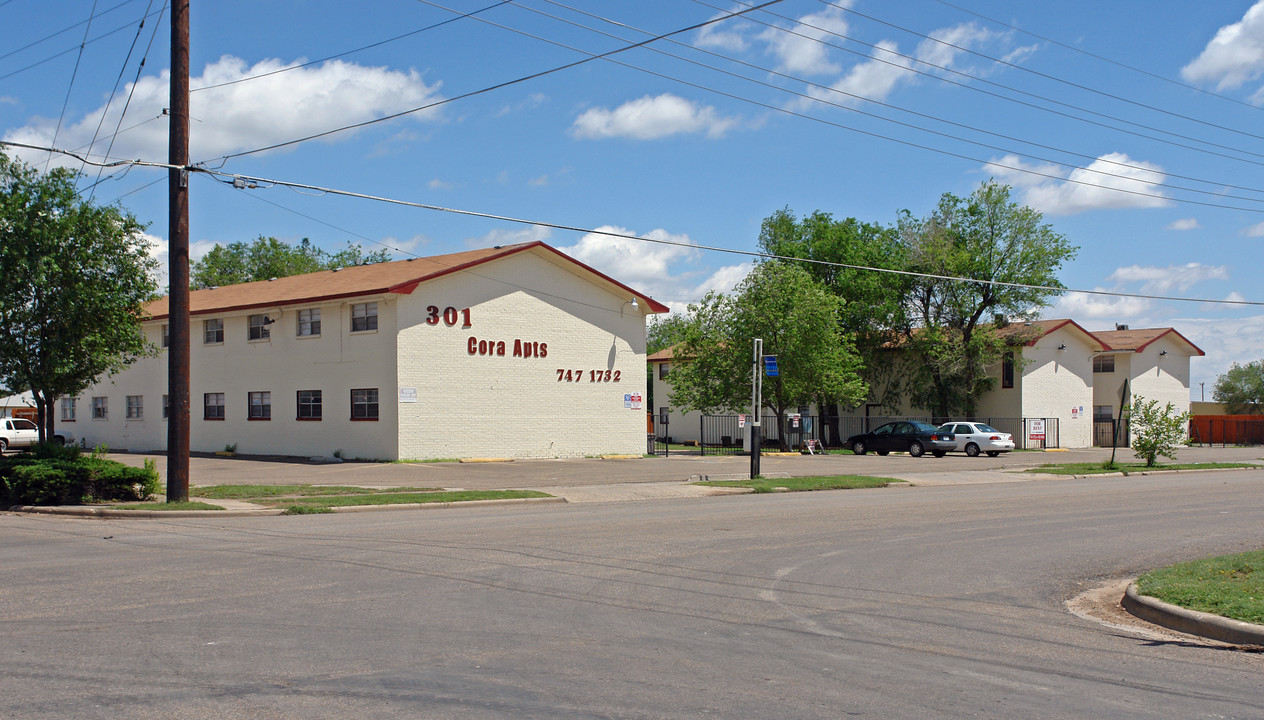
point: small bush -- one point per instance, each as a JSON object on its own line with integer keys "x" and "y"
{"x": 72, "y": 479}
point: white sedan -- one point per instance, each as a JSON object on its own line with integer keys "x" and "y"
{"x": 975, "y": 437}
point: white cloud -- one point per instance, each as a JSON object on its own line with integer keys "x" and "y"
{"x": 437, "y": 184}
{"x": 1225, "y": 341}
{"x": 646, "y": 266}
{"x": 517, "y": 235}
{"x": 724, "y": 280}
{"x": 1085, "y": 306}
{"x": 799, "y": 49}
{"x": 1235, "y": 296}
{"x": 1256, "y": 230}
{"x": 1234, "y": 56}
{"x": 1163, "y": 280}
{"x": 946, "y": 44}
{"x": 1184, "y": 224}
{"x": 249, "y": 114}
{"x": 1086, "y": 188}
{"x": 542, "y": 181}
{"x": 650, "y": 118}
{"x": 728, "y": 35}
{"x": 872, "y": 79}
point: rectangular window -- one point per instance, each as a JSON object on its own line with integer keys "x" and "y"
{"x": 260, "y": 406}
{"x": 364, "y": 404}
{"x": 662, "y": 371}
{"x": 100, "y": 408}
{"x": 1104, "y": 363}
{"x": 135, "y": 407}
{"x": 213, "y": 332}
{"x": 309, "y": 402}
{"x": 166, "y": 406}
{"x": 309, "y": 322}
{"x": 1007, "y": 370}
{"x": 259, "y": 327}
{"x": 67, "y": 409}
{"x": 364, "y": 317}
{"x": 213, "y": 406}
{"x": 1103, "y": 412}
{"x": 166, "y": 336}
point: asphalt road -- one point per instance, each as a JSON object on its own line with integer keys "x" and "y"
{"x": 934, "y": 601}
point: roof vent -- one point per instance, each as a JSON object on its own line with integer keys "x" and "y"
{"x": 1120, "y": 327}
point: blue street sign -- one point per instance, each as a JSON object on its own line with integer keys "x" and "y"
{"x": 770, "y": 365}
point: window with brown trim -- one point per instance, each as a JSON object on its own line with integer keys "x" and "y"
{"x": 1007, "y": 370}
{"x": 364, "y": 404}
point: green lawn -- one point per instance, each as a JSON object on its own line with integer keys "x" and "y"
{"x": 1230, "y": 585}
{"x": 254, "y": 492}
{"x": 803, "y": 484}
{"x": 190, "y": 505}
{"x": 397, "y": 498}
{"x": 1126, "y": 468}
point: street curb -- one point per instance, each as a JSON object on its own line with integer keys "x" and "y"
{"x": 443, "y": 505}
{"x": 1189, "y": 621}
{"x": 485, "y": 460}
{"x": 1149, "y": 472}
{"x": 116, "y": 513}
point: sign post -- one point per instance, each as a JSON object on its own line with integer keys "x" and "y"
{"x": 756, "y": 388}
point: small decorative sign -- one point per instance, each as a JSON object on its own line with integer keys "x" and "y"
{"x": 408, "y": 395}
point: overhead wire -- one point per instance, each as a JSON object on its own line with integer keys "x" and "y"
{"x": 1046, "y": 76}
{"x": 991, "y": 83}
{"x": 908, "y": 143}
{"x": 67, "y": 51}
{"x": 827, "y": 88}
{"x": 241, "y": 181}
{"x": 66, "y": 29}
{"x": 75, "y": 73}
{"x": 498, "y": 86}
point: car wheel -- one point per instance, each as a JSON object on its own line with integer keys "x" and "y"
{"x": 4, "y": 445}
{"x": 916, "y": 449}
{"x": 973, "y": 450}
{"x": 993, "y": 453}
{"x": 858, "y": 448}
{"x": 883, "y": 453}
{"x": 59, "y": 440}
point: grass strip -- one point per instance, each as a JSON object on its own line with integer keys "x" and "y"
{"x": 805, "y": 484}
{"x": 187, "y": 505}
{"x": 249, "y": 492}
{"x": 410, "y": 497}
{"x": 1228, "y": 585}
{"x": 1127, "y": 468}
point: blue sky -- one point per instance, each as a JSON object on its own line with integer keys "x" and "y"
{"x": 854, "y": 107}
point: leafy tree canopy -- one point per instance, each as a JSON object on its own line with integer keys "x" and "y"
{"x": 267, "y": 258}
{"x": 1241, "y": 389}
{"x": 799, "y": 322}
{"x": 74, "y": 278}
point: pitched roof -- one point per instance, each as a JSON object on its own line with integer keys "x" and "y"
{"x": 400, "y": 276}
{"x": 667, "y": 353}
{"x": 1041, "y": 328}
{"x": 1138, "y": 340}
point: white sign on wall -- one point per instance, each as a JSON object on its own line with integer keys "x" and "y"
{"x": 408, "y": 395}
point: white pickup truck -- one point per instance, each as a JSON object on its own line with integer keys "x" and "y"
{"x": 22, "y": 433}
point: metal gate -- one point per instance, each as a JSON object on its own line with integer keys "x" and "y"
{"x": 1104, "y": 433}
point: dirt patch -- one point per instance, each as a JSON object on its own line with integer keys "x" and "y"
{"x": 1101, "y": 604}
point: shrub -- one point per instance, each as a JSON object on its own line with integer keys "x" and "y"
{"x": 71, "y": 479}
{"x": 1155, "y": 431}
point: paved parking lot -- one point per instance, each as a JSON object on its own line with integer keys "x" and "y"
{"x": 678, "y": 468}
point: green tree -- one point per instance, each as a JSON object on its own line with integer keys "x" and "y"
{"x": 267, "y": 258}
{"x": 1155, "y": 431}
{"x": 953, "y": 326}
{"x": 660, "y": 334}
{"x": 799, "y": 322}
{"x": 873, "y": 301}
{"x": 74, "y": 278}
{"x": 1241, "y": 389}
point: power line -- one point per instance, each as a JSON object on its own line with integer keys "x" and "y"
{"x": 66, "y": 29}
{"x": 992, "y": 83}
{"x": 1103, "y": 58}
{"x": 71, "y": 86}
{"x": 1215, "y": 193}
{"x": 350, "y": 52}
{"x": 507, "y": 83}
{"x": 908, "y": 143}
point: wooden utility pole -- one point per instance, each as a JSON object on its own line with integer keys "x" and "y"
{"x": 178, "y": 273}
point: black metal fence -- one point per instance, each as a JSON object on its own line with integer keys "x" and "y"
{"x": 722, "y": 435}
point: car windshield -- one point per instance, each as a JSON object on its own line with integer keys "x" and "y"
{"x": 924, "y": 427}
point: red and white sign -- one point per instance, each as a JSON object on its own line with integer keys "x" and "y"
{"x": 1037, "y": 429}
{"x": 741, "y": 421}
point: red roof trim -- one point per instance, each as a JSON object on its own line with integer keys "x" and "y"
{"x": 1166, "y": 331}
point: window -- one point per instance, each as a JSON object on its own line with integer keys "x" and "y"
{"x": 364, "y": 317}
{"x": 1104, "y": 363}
{"x": 100, "y": 408}
{"x": 309, "y": 322}
{"x": 308, "y": 404}
{"x": 213, "y": 332}
{"x": 135, "y": 407}
{"x": 213, "y": 406}
{"x": 67, "y": 409}
{"x": 364, "y": 404}
{"x": 166, "y": 406}
{"x": 259, "y": 327}
{"x": 1103, "y": 412}
{"x": 663, "y": 370}
{"x": 166, "y": 336}
{"x": 1007, "y": 370}
{"x": 260, "y": 406}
